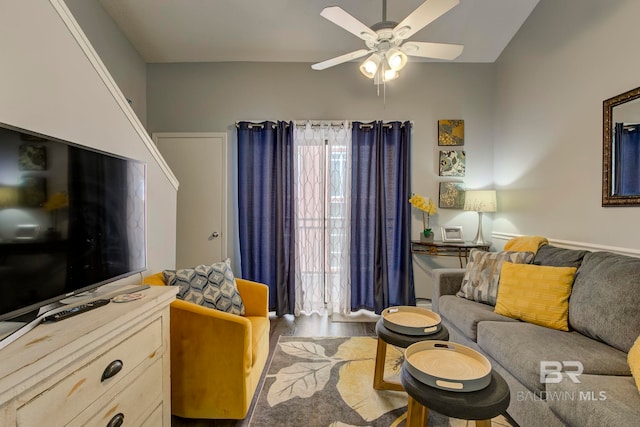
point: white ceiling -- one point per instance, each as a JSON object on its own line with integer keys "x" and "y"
{"x": 294, "y": 31}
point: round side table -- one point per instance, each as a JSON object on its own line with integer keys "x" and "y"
{"x": 387, "y": 336}
{"x": 481, "y": 405}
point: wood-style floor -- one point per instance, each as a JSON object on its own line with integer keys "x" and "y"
{"x": 302, "y": 326}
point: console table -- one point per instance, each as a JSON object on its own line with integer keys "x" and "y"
{"x": 103, "y": 367}
{"x": 440, "y": 248}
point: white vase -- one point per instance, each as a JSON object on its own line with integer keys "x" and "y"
{"x": 424, "y": 238}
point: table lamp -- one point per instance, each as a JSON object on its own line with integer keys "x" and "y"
{"x": 480, "y": 201}
{"x": 9, "y": 197}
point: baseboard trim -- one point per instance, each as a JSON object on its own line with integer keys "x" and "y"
{"x": 574, "y": 245}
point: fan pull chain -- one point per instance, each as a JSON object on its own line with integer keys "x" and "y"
{"x": 384, "y": 95}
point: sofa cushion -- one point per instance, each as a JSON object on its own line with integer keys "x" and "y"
{"x": 481, "y": 277}
{"x": 598, "y": 400}
{"x": 211, "y": 286}
{"x": 633, "y": 358}
{"x": 466, "y": 314}
{"x": 520, "y": 347}
{"x": 156, "y": 279}
{"x": 536, "y": 294}
{"x": 605, "y": 301}
{"x": 259, "y": 336}
{"x": 558, "y": 257}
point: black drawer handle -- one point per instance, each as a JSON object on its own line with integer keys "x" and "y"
{"x": 111, "y": 370}
{"x": 117, "y": 420}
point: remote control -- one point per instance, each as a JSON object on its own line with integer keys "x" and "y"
{"x": 76, "y": 310}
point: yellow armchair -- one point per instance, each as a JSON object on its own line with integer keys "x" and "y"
{"x": 217, "y": 358}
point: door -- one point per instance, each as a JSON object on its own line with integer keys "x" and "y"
{"x": 199, "y": 161}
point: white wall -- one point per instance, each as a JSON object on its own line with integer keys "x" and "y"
{"x": 567, "y": 58}
{"x": 533, "y": 119}
{"x": 48, "y": 85}
{"x": 124, "y": 63}
{"x": 211, "y": 97}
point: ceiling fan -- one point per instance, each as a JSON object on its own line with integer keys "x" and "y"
{"x": 385, "y": 40}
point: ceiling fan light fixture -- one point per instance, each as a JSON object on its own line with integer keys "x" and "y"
{"x": 410, "y": 48}
{"x": 390, "y": 75}
{"x": 401, "y": 32}
{"x": 369, "y": 68}
{"x": 386, "y": 41}
{"x": 367, "y": 36}
{"x": 384, "y": 76}
{"x": 396, "y": 59}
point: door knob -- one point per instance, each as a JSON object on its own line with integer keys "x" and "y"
{"x": 214, "y": 235}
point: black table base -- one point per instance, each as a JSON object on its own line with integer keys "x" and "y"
{"x": 481, "y": 405}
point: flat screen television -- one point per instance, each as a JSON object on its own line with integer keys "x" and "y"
{"x": 71, "y": 219}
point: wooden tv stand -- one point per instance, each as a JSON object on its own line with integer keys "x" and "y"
{"x": 55, "y": 374}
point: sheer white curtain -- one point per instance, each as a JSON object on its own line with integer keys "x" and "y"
{"x": 322, "y": 174}
{"x": 338, "y": 233}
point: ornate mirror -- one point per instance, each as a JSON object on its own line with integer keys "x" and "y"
{"x": 621, "y": 150}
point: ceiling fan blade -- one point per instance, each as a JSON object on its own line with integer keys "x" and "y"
{"x": 341, "y": 18}
{"x": 340, "y": 59}
{"x": 426, "y": 13}
{"x": 433, "y": 50}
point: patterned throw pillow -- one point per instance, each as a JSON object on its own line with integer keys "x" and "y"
{"x": 191, "y": 281}
{"x": 212, "y": 286}
{"x": 481, "y": 278}
{"x": 222, "y": 292}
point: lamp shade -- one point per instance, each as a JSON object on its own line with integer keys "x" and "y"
{"x": 370, "y": 67}
{"x": 396, "y": 59}
{"x": 480, "y": 201}
{"x": 9, "y": 197}
{"x": 385, "y": 76}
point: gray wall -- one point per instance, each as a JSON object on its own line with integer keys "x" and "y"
{"x": 567, "y": 58}
{"x": 533, "y": 120}
{"x": 208, "y": 97}
{"x": 211, "y": 97}
{"x": 125, "y": 65}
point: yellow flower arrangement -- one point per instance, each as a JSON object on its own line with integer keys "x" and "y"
{"x": 427, "y": 206}
{"x": 57, "y": 201}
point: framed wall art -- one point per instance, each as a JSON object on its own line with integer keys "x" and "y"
{"x": 452, "y": 233}
{"x": 452, "y": 163}
{"x": 32, "y": 157}
{"x": 451, "y": 195}
{"x": 450, "y": 132}
{"x": 33, "y": 191}
{"x": 27, "y": 231}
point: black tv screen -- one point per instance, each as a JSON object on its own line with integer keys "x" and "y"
{"x": 71, "y": 219}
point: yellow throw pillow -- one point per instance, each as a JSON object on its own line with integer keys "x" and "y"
{"x": 536, "y": 294}
{"x": 526, "y": 244}
{"x": 633, "y": 358}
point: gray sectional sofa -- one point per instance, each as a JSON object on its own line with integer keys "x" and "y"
{"x": 604, "y": 322}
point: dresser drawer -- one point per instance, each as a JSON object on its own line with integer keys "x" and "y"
{"x": 134, "y": 404}
{"x": 155, "y": 419}
{"x": 80, "y": 389}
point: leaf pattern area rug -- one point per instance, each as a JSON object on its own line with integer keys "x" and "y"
{"x": 328, "y": 382}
